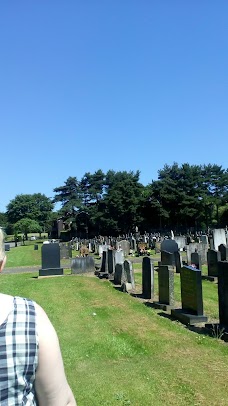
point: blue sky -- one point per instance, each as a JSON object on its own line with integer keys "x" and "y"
{"x": 122, "y": 84}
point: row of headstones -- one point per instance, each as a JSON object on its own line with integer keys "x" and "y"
{"x": 191, "y": 311}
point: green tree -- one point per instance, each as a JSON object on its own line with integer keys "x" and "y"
{"x": 25, "y": 226}
{"x": 119, "y": 210}
{"x": 35, "y": 206}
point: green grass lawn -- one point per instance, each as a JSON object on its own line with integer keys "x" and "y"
{"x": 117, "y": 351}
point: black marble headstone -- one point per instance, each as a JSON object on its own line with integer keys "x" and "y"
{"x": 223, "y": 292}
{"x": 224, "y": 252}
{"x": 165, "y": 288}
{"x": 50, "y": 254}
{"x": 167, "y": 258}
{"x": 7, "y": 247}
{"x": 110, "y": 260}
{"x": 128, "y": 269}
{"x": 196, "y": 260}
{"x": 191, "y": 297}
{"x": 147, "y": 278}
{"x": 213, "y": 257}
{"x": 118, "y": 274}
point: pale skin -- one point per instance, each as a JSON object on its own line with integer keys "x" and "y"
{"x": 51, "y": 385}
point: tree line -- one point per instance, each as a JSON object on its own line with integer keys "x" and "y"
{"x": 184, "y": 197}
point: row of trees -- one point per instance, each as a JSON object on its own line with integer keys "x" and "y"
{"x": 183, "y": 197}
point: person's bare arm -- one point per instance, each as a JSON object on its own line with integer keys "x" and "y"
{"x": 51, "y": 384}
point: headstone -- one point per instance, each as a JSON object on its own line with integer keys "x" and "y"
{"x": 147, "y": 278}
{"x": 50, "y": 254}
{"x": 165, "y": 288}
{"x": 167, "y": 258}
{"x": 65, "y": 251}
{"x": 104, "y": 262}
{"x": 111, "y": 261}
{"x": 7, "y": 247}
{"x": 197, "y": 247}
{"x": 223, "y": 249}
{"x": 196, "y": 260}
{"x": 129, "y": 273}
{"x": 82, "y": 265}
{"x": 204, "y": 239}
{"x": 36, "y": 247}
{"x": 213, "y": 257}
{"x": 118, "y": 274}
{"x": 178, "y": 261}
{"x": 191, "y": 297}
{"x": 219, "y": 237}
{"x": 223, "y": 293}
{"x": 181, "y": 242}
{"x": 169, "y": 246}
{"x": 125, "y": 246}
{"x": 119, "y": 257}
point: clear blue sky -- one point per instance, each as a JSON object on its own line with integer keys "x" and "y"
{"x": 112, "y": 84}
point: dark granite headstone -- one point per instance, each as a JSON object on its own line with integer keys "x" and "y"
{"x": 196, "y": 260}
{"x": 104, "y": 264}
{"x": 50, "y": 254}
{"x": 169, "y": 246}
{"x": 223, "y": 249}
{"x": 147, "y": 278}
{"x": 213, "y": 257}
{"x": 118, "y": 274}
{"x": 223, "y": 292}
{"x": 82, "y": 265}
{"x": 165, "y": 288}
{"x": 111, "y": 261}
{"x": 167, "y": 258}
{"x": 128, "y": 269}
{"x": 36, "y": 246}
{"x": 7, "y": 247}
{"x": 191, "y": 297}
{"x": 178, "y": 261}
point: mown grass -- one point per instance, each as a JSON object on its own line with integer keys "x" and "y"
{"x": 117, "y": 351}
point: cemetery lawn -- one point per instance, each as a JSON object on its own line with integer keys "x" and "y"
{"x": 117, "y": 351}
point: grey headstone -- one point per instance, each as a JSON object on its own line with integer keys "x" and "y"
{"x": 119, "y": 257}
{"x": 219, "y": 237}
{"x": 125, "y": 246}
{"x": 82, "y": 265}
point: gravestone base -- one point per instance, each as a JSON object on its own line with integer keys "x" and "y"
{"x": 210, "y": 278}
{"x": 50, "y": 271}
{"x": 188, "y": 318}
{"x": 103, "y": 275}
{"x": 162, "y": 306}
{"x": 126, "y": 287}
